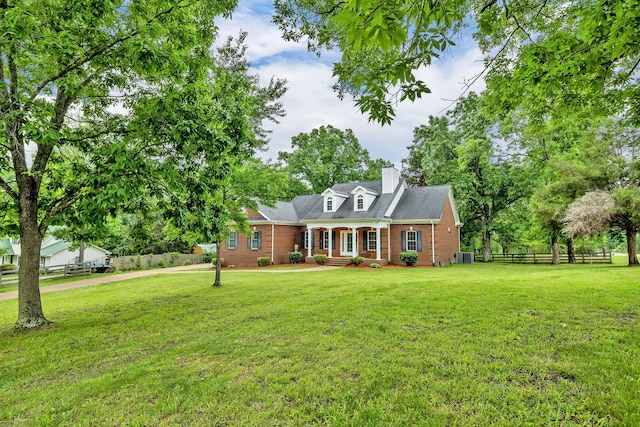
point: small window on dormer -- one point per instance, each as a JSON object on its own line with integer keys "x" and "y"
{"x": 329, "y": 204}
{"x": 360, "y": 202}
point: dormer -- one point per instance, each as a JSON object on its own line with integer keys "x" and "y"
{"x": 363, "y": 198}
{"x": 333, "y": 200}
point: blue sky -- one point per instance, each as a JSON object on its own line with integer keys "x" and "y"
{"x": 310, "y": 102}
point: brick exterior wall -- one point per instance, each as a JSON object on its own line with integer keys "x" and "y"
{"x": 287, "y": 236}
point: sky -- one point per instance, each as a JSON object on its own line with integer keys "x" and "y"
{"x": 310, "y": 101}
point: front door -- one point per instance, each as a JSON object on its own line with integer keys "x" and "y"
{"x": 347, "y": 243}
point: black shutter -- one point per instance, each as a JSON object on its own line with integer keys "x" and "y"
{"x": 403, "y": 241}
{"x": 322, "y": 239}
{"x": 259, "y": 237}
{"x": 248, "y": 241}
{"x": 333, "y": 239}
{"x": 303, "y": 240}
{"x": 313, "y": 239}
{"x": 419, "y": 237}
{"x": 365, "y": 240}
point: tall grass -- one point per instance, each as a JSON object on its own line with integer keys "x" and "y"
{"x": 462, "y": 345}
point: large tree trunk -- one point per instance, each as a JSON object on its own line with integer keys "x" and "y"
{"x": 218, "y": 263}
{"x": 555, "y": 249}
{"x": 30, "y": 314}
{"x": 486, "y": 247}
{"x": 631, "y": 247}
{"x": 571, "y": 251}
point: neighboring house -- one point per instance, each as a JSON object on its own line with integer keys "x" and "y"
{"x": 375, "y": 219}
{"x": 53, "y": 252}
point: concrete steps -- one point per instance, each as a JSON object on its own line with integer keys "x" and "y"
{"x": 338, "y": 261}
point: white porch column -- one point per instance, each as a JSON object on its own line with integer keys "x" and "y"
{"x": 330, "y": 240}
{"x": 309, "y": 231}
{"x": 378, "y": 236}
{"x": 354, "y": 245}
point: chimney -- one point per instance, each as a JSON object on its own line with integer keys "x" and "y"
{"x": 390, "y": 178}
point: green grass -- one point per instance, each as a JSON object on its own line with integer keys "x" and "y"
{"x": 463, "y": 345}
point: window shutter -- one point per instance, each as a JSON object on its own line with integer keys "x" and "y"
{"x": 303, "y": 240}
{"x": 313, "y": 239}
{"x": 365, "y": 241}
{"x": 249, "y": 241}
{"x": 333, "y": 239}
{"x": 419, "y": 237}
{"x": 259, "y": 237}
{"x": 403, "y": 241}
{"x": 322, "y": 239}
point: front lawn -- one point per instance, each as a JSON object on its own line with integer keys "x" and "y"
{"x": 462, "y": 345}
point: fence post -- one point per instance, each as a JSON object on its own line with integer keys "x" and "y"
{"x": 534, "y": 258}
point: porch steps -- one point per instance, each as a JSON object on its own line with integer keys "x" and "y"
{"x": 338, "y": 261}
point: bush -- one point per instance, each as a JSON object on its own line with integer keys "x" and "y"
{"x": 173, "y": 256}
{"x": 356, "y": 260}
{"x": 232, "y": 266}
{"x": 263, "y": 261}
{"x": 409, "y": 258}
{"x": 187, "y": 262}
{"x": 162, "y": 264}
{"x": 374, "y": 265}
{"x": 295, "y": 257}
{"x": 320, "y": 259}
{"x": 6, "y": 267}
{"x": 208, "y": 257}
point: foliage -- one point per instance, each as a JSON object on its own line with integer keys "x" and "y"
{"x": 320, "y": 259}
{"x": 295, "y": 257}
{"x": 409, "y": 258}
{"x": 374, "y": 265}
{"x": 208, "y": 257}
{"x": 264, "y": 261}
{"x": 356, "y": 260}
{"x": 589, "y": 214}
{"x": 328, "y": 156}
{"x": 187, "y": 262}
{"x": 531, "y": 318}
{"x": 162, "y": 264}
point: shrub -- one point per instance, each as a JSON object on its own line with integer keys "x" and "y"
{"x": 263, "y": 261}
{"x": 138, "y": 262}
{"x": 7, "y": 267}
{"x": 187, "y": 262}
{"x": 409, "y": 258}
{"x": 232, "y": 266}
{"x": 356, "y": 260}
{"x": 208, "y": 257}
{"x": 295, "y": 257}
{"x": 173, "y": 256}
{"x": 320, "y": 259}
{"x": 374, "y": 265}
{"x": 162, "y": 264}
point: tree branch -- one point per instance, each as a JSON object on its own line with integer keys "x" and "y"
{"x": 10, "y": 192}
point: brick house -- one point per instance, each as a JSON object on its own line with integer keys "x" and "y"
{"x": 374, "y": 219}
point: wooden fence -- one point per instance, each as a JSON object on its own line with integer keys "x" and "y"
{"x": 49, "y": 272}
{"x": 140, "y": 262}
{"x": 533, "y": 258}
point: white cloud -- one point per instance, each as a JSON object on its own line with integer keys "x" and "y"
{"x": 310, "y": 101}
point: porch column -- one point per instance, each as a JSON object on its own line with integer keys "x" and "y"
{"x": 330, "y": 239}
{"x": 378, "y": 235}
{"x": 309, "y": 231}
{"x": 354, "y": 243}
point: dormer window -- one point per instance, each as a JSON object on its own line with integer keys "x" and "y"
{"x": 329, "y": 204}
{"x": 360, "y": 202}
{"x": 363, "y": 198}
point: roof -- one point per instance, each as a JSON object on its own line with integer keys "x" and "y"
{"x": 416, "y": 203}
{"x": 54, "y": 248}
{"x": 421, "y": 203}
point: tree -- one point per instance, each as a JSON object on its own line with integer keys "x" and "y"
{"x": 459, "y": 150}
{"x": 328, "y": 156}
{"x": 217, "y": 134}
{"x": 64, "y": 66}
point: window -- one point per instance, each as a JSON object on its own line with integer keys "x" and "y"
{"x": 372, "y": 241}
{"x": 412, "y": 241}
{"x": 324, "y": 240}
{"x": 329, "y": 204}
{"x": 255, "y": 241}
{"x": 305, "y": 239}
{"x": 360, "y": 203}
{"x": 232, "y": 240}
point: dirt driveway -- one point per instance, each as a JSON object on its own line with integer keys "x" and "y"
{"x": 99, "y": 279}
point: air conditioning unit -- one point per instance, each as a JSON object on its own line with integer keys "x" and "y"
{"x": 464, "y": 257}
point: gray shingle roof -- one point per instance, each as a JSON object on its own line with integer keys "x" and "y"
{"x": 415, "y": 204}
{"x": 421, "y": 203}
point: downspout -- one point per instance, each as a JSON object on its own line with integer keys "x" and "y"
{"x": 433, "y": 246}
{"x": 273, "y": 238}
{"x": 389, "y": 243}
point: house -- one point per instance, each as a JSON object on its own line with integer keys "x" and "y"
{"x": 204, "y": 248}
{"x": 53, "y": 251}
{"x": 376, "y": 220}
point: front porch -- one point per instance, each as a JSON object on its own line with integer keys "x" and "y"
{"x": 341, "y": 242}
